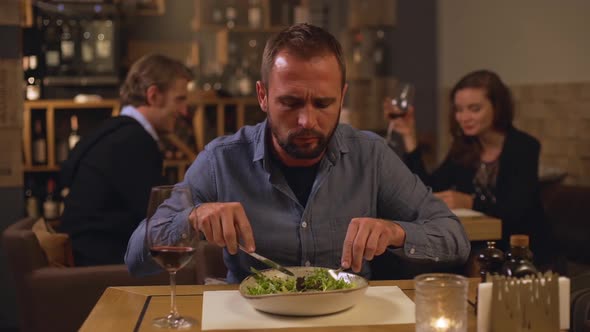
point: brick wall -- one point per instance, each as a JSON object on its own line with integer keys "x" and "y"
{"x": 558, "y": 115}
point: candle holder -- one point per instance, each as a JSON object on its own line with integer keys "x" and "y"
{"x": 441, "y": 302}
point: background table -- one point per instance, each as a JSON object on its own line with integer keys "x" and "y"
{"x": 482, "y": 228}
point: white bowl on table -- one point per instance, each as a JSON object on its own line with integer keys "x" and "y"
{"x": 309, "y": 303}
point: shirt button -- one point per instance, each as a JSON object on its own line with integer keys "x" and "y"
{"x": 412, "y": 251}
{"x": 307, "y": 263}
{"x": 304, "y": 224}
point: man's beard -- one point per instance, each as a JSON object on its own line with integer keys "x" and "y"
{"x": 299, "y": 152}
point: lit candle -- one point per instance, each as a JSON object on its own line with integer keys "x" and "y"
{"x": 442, "y": 324}
{"x": 441, "y": 303}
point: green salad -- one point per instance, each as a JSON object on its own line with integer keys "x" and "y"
{"x": 319, "y": 280}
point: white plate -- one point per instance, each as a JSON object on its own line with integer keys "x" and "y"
{"x": 306, "y": 303}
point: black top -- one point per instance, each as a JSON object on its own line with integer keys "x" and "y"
{"x": 110, "y": 173}
{"x": 517, "y": 192}
{"x": 300, "y": 179}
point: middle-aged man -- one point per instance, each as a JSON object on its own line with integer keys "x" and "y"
{"x": 111, "y": 171}
{"x": 301, "y": 189}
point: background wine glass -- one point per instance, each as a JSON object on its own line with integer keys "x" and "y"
{"x": 402, "y": 98}
{"x": 171, "y": 247}
{"x": 395, "y": 107}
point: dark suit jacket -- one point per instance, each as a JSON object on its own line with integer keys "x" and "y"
{"x": 109, "y": 173}
{"x": 518, "y": 199}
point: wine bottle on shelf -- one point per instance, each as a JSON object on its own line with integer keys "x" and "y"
{"x": 33, "y": 81}
{"x": 254, "y": 14}
{"x": 25, "y": 64}
{"x": 357, "y": 52}
{"x": 86, "y": 44}
{"x": 103, "y": 45}
{"x": 231, "y": 14}
{"x": 217, "y": 13}
{"x": 519, "y": 260}
{"x": 39, "y": 144}
{"x": 31, "y": 203}
{"x": 103, "y": 39}
{"x": 243, "y": 79}
{"x": 67, "y": 46}
{"x": 379, "y": 52}
{"x": 51, "y": 206}
{"x": 52, "y": 29}
{"x": 74, "y": 137}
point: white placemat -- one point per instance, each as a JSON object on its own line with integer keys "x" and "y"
{"x": 381, "y": 305}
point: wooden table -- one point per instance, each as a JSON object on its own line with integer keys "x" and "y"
{"x": 133, "y": 308}
{"x": 482, "y": 228}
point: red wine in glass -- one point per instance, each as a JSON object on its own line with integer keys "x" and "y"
{"x": 172, "y": 258}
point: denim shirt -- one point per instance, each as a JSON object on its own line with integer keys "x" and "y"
{"x": 359, "y": 176}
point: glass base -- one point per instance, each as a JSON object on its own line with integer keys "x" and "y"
{"x": 179, "y": 323}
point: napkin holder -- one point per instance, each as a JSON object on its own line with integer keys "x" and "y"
{"x": 534, "y": 303}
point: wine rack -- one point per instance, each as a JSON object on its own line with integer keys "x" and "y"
{"x": 212, "y": 117}
{"x": 50, "y": 108}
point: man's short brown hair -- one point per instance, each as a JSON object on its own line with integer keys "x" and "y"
{"x": 304, "y": 41}
{"x": 152, "y": 69}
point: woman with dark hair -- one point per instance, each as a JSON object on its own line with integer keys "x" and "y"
{"x": 491, "y": 167}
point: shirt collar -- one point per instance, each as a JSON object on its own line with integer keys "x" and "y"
{"x": 132, "y": 112}
{"x": 335, "y": 147}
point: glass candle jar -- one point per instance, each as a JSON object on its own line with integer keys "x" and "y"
{"x": 441, "y": 302}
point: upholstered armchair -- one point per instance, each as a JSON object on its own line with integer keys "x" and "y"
{"x": 60, "y": 298}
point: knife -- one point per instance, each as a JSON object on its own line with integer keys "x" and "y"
{"x": 267, "y": 261}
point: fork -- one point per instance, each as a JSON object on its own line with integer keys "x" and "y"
{"x": 334, "y": 273}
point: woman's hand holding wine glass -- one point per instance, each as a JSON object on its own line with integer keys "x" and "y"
{"x": 171, "y": 247}
{"x": 399, "y": 110}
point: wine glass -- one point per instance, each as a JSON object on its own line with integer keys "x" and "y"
{"x": 171, "y": 245}
{"x": 397, "y": 107}
{"x": 403, "y": 97}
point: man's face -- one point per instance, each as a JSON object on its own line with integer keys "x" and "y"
{"x": 170, "y": 104}
{"x": 303, "y": 103}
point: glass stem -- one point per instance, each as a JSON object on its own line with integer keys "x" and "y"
{"x": 173, "y": 311}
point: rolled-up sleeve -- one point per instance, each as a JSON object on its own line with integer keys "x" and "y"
{"x": 433, "y": 232}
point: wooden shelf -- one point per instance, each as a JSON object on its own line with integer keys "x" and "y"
{"x": 50, "y": 106}
{"x": 220, "y": 106}
{"x": 181, "y": 166}
{"x": 70, "y": 104}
